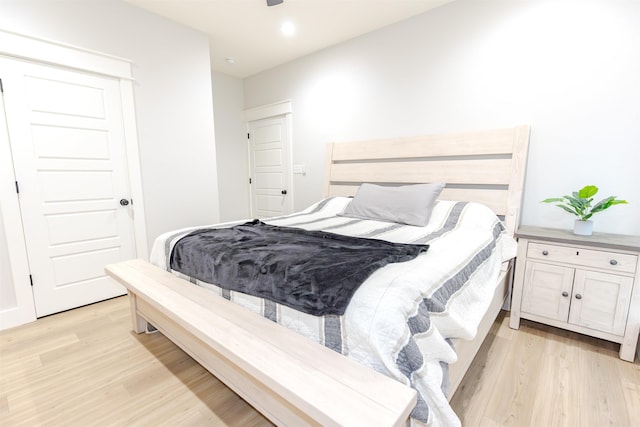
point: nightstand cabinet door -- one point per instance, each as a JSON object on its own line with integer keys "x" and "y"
{"x": 600, "y": 301}
{"x": 547, "y": 290}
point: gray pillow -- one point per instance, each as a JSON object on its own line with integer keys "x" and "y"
{"x": 407, "y": 204}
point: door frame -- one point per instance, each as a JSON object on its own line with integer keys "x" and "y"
{"x": 276, "y": 109}
{"x": 47, "y": 52}
{"x": 22, "y": 308}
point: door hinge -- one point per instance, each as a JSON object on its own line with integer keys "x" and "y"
{"x": 31, "y": 280}
{"x": 17, "y": 188}
{"x": 249, "y": 180}
{"x": 248, "y": 136}
{"x": 1, "y": 88}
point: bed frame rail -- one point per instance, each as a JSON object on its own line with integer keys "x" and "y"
{"x": 289, "y": 379}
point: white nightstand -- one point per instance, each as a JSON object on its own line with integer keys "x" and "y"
{"x": 586, "y": 284}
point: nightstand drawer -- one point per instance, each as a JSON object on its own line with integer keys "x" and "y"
{"x": 585, "y": 257}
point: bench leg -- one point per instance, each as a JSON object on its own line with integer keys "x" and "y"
{"x": 139, "y": 324}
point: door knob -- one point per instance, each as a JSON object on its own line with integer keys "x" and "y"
{"x": 284, "y": 192}
{"x": 124, "y": 202}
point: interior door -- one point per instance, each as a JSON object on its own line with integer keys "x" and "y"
{"x": 67, "y": 141}
{"x": 269, "y": 142}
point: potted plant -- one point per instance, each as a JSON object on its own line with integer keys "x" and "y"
{"x": 580, "y": 205}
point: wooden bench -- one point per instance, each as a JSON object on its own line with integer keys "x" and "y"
{"x": 287, "y": 377}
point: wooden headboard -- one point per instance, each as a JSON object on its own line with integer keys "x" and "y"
{"x": 486, "y": 167}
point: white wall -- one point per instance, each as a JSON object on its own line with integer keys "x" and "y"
{"x": 231, "y": 147}
{"x": 568, "y": 68}
{"x": 172, "y": 91}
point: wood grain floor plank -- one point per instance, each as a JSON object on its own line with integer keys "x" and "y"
{"x": 544, "y": 376}
{"x": 474, "y": 393}
{"x": 86, "y": 367}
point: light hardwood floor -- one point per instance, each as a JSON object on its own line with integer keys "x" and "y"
{"x": 85, "y": 367}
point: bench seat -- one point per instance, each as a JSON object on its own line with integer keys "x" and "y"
{"x": 290, "y": 379}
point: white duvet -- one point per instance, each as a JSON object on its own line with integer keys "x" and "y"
{"x": 402, "y": 318}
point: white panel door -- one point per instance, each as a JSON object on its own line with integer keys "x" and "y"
{"x": 270, "y": 167}
{"x": 67, "y": 140}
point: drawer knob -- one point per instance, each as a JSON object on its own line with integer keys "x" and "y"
{"x": 545, "y": 253}
{"x": 565, "y": 294}
{"x": 578, "y": 296}
{"x": 613, "y": 262}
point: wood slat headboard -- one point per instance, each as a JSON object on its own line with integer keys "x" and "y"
{"x": 486, "y": 167}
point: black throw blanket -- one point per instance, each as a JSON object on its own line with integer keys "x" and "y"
{"x": 311, "y": 271}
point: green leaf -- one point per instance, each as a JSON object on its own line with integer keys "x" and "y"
{"x": 578, "y": 204}
{"x": 607, "y": 203}
{"x": 619, "y": 202}
{"x": 588, "y": 191}
{"x": 568, "y": 209}
{"x": 553, "y": 200}
{"x": 574, "y": 201}
{"x": 602, "y": 204}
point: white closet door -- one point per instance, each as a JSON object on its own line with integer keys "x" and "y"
{"x": 67, "y": 139}
{"x": 269, "y": 165}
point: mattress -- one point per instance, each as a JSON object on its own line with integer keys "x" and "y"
{"x": 402, "y": 320}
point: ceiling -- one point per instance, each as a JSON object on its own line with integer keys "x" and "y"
{"x": 247, "y": 32}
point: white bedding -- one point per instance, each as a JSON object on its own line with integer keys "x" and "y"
{"x": 402, "y": 318}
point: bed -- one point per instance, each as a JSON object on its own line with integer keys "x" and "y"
{"x": 423, "y": 333}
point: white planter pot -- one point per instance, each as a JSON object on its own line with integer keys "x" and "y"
{"x": 583, "y": 228}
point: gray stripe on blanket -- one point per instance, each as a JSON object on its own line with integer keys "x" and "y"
{"x": 347, "y": 223}
{"x": 421, "y": 410}
{"x": 446, "y": 381}
{"x": 410, "y": 358}
{"x": 446, "y": 384}
{"x": 314, "y": 221}
{"x": 450, "y": 223}
{"x": 369, "y": 234}
{"x": 386, "y": 229}
{"x": 270, "y": 310}
{"x": 438, "y": 302}
{"x": 333, "y": 332}
{"x": 319, "y": 207}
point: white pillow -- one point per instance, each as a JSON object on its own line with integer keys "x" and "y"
{"x": 406, "y": 204}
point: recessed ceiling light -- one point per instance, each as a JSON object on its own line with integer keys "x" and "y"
{"x": 230, "y": 60}
{"x": 288, "y": 29}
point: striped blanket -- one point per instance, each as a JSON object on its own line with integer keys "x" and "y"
{"x": 402, "y": 319}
